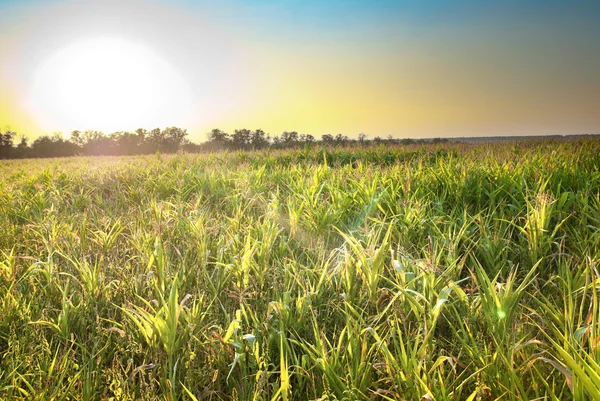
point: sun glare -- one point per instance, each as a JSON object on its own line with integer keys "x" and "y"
{"x": 108, "y": 84}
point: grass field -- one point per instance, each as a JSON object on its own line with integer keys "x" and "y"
{"x": 450, "y": 272}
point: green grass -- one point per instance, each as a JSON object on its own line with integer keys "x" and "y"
{"x": 450, "y": 272}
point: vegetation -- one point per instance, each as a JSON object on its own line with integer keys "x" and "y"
{"x": 437, "y": 272}
{"x": 168, "y": 140}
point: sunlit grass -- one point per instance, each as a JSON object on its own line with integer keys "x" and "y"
{"x": 449, "y": 273}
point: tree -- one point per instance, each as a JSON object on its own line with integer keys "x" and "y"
{"x": 154, "y": 140}
{"x": 258, "y": 139}
{"x": 327, "y": 138}
{"x": 53, "y": 146}
{"x": 289, "y": 137}
{"x": 362, "y": 137}
{"x": 77, "y": 138}
{"x": 91, "y": 136}
{"x": 141, "y": 133}
{"x": 172, "y": 139}
{"x": 339, "y": 138}
{"x": 23, "y": 147}
{"x": 126, "y": 143}
{"x": 6, "y": 144}
{"x": 144, "y": 146}
{"x": 218, "y": 139}
{"x": 168, "y": 140}
{"x": 218, "y": 136}
{"x": 241, "y": 138}
{"x": 96, "y": 143}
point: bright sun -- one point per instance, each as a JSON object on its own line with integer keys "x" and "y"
{"x": 108, "y": 84}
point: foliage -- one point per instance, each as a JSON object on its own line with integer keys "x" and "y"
{"x": 95, "y": 143}
{"x": 168, "y": 140}
{"x": 418, "y": 272}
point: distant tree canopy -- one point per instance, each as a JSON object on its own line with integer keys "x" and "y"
{"x": 6, "y": 143}
{"x": 168, "y": 140}
{"x": 95, "y": 143}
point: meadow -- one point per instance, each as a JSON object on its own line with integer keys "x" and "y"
{"x": 421, "y": 272}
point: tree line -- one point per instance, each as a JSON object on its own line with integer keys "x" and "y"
{"x": 167, "y": 140}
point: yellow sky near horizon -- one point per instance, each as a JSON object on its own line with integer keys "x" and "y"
{"x": 402, "y": 69}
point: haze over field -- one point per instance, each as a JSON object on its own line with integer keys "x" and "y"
{"x": 403, "y": 68}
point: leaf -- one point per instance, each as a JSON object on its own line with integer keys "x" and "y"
{"x": 233, "y": 326}
{"x": 236, "y": 359}
{"x": 559, "y": 366}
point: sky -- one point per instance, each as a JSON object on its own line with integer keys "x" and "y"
{"x": 405, "y": 68}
